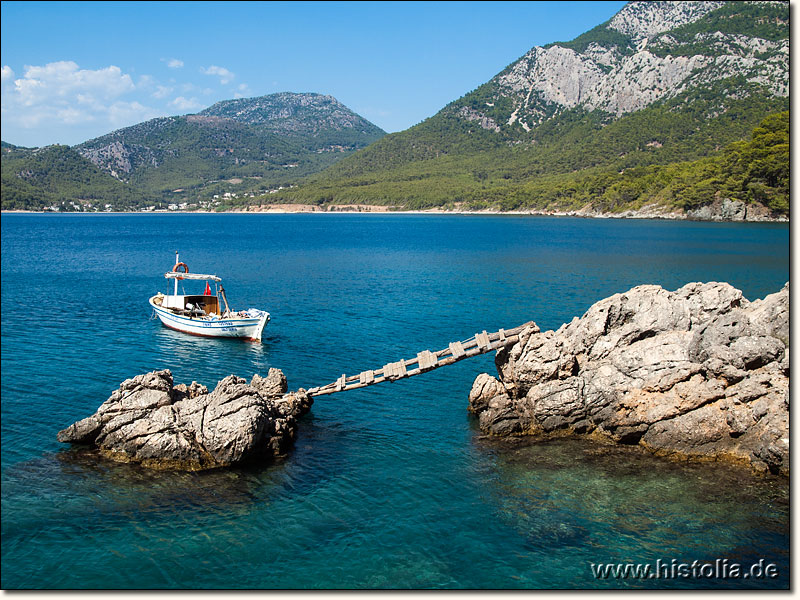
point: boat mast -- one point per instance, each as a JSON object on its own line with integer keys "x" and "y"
{"x": 176, "y": 279}
{"x": 225, "y": 299}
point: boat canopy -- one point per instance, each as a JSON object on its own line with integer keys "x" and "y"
{"x": 195, "y": 276}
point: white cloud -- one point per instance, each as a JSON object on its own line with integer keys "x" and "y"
{"x": 61, "y": 94}
{"x": 63, "y": 79}
{"x": 174, "y": 63}
{"x": 122, "y": 114}
{"x": 6, "y": 87}
{"x": 225, "y": 76}
{"x": 185, "y": 104}
{"x": 242, "y": 91}
{"x": 73, "y": 116}
{"x": 162, "y": 91}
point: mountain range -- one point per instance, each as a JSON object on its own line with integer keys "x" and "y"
{"x": 676, "y": 105}
{"x": 237, "y": 146}
{"x": 636, "y": 111}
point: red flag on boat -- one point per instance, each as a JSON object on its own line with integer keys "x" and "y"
{"x": 208, "y": 290}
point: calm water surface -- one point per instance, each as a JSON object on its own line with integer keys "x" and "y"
{"x": 387, "y": 487}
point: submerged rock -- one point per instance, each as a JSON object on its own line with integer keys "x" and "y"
{"x": 150, "y": 421}
{"x": 699, "y": 372}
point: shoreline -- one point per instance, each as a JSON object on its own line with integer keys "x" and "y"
{"x": 384, "y": 210}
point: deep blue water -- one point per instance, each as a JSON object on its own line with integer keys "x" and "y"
{"x": 387, "y": 487}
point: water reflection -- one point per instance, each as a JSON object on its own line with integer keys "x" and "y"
{"x": 214, "y": 357}
{"x": 185, "y": 346}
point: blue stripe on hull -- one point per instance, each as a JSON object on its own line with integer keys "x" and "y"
{"x": 214, "y": 335}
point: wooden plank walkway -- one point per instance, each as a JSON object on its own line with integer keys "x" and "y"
{"x": 425, "y": 361}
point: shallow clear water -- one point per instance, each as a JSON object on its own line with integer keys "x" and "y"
{"x": 387, "y": 487}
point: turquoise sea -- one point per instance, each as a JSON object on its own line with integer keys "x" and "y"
{"x": 387, "y": 487}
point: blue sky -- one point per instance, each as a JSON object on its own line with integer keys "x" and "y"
{"x": 72, "y": 71}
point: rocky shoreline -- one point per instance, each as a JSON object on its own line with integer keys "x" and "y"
{"x": 724, "y": 210}
{"x": 699, "y": 373}
{"x": 718, "y": 211}
{"x": 150, "y": 421}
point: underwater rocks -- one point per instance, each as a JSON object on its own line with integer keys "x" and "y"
{"x": 149, "y": 420}
{"x": 696, "y": 373}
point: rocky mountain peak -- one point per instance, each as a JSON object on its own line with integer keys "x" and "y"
{"x": 288, "y": 110}
{"x": 233, "y": 138}
{"x": 649, "y": 51}
{"x": 644, "y": 19}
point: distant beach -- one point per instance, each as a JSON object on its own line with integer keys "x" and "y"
{"x": 647, "y": 212}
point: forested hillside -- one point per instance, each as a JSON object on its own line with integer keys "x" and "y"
{"x": 59, "y": 177}
{"x": 235, "y": 147}
{"x": 571, "y": 124}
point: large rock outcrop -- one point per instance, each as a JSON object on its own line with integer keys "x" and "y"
{"x": 643, "y": 55}
{"x": 150, "y": 421}
{"x": 700, "y": 372}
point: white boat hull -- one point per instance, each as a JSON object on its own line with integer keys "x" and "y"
{"x": 247, "y": 328}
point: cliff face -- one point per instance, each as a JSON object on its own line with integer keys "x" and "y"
{"x": 647, "y": 52}
{"x": 700, "y": 373}
{"x": 642, "y": 20}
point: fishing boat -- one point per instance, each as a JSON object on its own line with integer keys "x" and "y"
{"x": 203, "y": 314}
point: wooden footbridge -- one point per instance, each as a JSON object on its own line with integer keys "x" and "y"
{"x": 425, "y": 361}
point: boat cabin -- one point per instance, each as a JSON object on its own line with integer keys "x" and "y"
{"x": 194, "y": 305}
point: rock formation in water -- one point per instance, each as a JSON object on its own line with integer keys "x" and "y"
{"x": 150, "y": 421}
{"x": 696, "y": 373}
